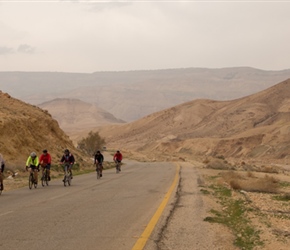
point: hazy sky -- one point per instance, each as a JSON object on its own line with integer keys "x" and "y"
{"x": 89, "y": 36}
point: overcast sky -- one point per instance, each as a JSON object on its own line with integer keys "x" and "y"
{"x": 89, "y": 36}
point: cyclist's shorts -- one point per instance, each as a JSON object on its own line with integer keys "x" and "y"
{"x": 47, "y": 166}
{"x": 33, "y": 167}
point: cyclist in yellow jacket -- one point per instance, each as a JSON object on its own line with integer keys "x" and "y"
{"x": 33, "y": 163}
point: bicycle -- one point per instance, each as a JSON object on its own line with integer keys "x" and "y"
{"x": 98, "y": 170}
{"x": 67, "y": 175}
{"x": 32, "y": 181}
{"x": 1, "y": 183}
{"x": 118, "y": 166}
{"x": 44, "y": 177}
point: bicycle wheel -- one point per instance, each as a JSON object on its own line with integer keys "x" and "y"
{"x": 1, "y": 186}
{"x": 64, "y": 180}
{"x": 117, "y": 168}
{"x": 69, "y": 179}
{"x": 46, "y": 178}
{"x": 30, "y": 181}
{"x": 43, "y": 179}
{"x": 98, "y": 173}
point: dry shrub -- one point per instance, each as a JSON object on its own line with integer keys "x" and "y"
{"x": 246, "y": 167}
{"x": 233, "y": 179}
{"x": 218, "y": 164}
{"x": 264, "y": 185}
{"x": 269, "y": 169}
{"x": 206, "y": 161}
{"x": 250, "y": 174}
{"x": 267, "y": 184}
{"x": 231, "y": 175}
{"x": 235, "y": 184}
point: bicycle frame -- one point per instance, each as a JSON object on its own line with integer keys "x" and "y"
{"x": 98, "y": 169}
{"x": 118, "y": 164}
{"x": 67, "y": 175}
{"x": 1, "y": 181}
{"x": 44, "y": 177}
{"x": 31, "y": 179}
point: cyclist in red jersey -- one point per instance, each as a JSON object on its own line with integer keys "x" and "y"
{"x": 118, "y": 157}
{"x": 45, "y": 162}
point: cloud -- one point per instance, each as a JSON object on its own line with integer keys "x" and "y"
{"x": 6, "y": 50}
{"x": 24, "y": 48}
{"x": 99, "y": 6}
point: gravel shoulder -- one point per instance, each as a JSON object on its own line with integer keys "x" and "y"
{"x": 182, "y": 226}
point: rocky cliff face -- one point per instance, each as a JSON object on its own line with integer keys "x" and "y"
{"x": 25, "y": 128}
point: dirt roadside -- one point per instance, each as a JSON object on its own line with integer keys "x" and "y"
{"x": 182, "y": 226}
{"x": 262, "y": 222}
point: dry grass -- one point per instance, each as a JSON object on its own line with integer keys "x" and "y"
{"x": 250, "y": 183}
{"x": 269, "y": 169}
{"x": 219, "y": 164}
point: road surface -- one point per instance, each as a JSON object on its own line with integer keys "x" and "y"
{"x": 110, "y": 213}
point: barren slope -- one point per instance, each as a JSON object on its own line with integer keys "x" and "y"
{"x": 25, "y": 128}
{"x": 254, "y": 126}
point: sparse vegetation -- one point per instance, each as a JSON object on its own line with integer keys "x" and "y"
{"x": 233, "y": 215}
{"x": 218, "y": 164}
{"x": 252, "y": 204}
{"x": 284, "y": 197}
{"x": 267, "y": 184}
{"x": 91, "y": 143}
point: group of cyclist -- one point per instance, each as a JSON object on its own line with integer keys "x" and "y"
{"x": 33, "y": 163}
{"x": 99, "y": 158}
{"x": 44, "y": 161}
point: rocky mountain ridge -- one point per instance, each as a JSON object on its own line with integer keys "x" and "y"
{"x": 131, "y": 95}
{"x": 255, "y": 126}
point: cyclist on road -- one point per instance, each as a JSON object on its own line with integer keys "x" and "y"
{"x": 99, "y": 158}
{"x": 2, "y": 166}
{"x": 33, "y": 164}
{"x": 45, "y": 162}
{"x": 69, "y": 159}
{"x": 118, "y": 157}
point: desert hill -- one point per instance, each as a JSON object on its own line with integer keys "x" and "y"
{"x": 131, "y": 95}
{"x": 74, "y": 115}
{"x": 25, "y": 128}
{"x": 255, "y": 126}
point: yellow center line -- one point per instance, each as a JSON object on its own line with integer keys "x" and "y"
{"x": 139, "y": 245}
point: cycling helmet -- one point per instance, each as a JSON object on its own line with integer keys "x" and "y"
{"x": 44, "y": 151}
{"x": 66, "y": 151}
{"x": 98, "y": 152}
{"x": 118, "y": 151}
{"x": 33, "y": 154}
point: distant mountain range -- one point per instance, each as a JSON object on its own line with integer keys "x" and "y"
{"x": 131, "y": 95}
{"x": 252, "y": 127}
{"x": 75, "y": 116}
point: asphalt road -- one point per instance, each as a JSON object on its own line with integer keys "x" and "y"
{"x": 110, "y": 213}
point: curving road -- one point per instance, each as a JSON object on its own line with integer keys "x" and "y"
{"x": 110, "y": 213}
